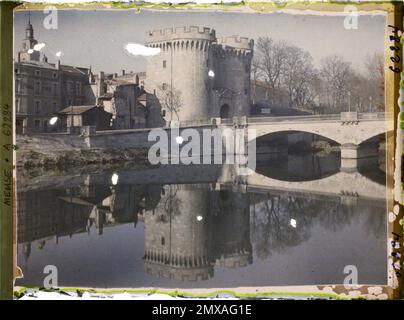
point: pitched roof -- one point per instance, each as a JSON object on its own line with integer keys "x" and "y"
{"x": 72, "y": 69}
{"x": 78, "y": 109}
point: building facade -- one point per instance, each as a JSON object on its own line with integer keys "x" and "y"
{"x": 204, "y": 76}
{"x": 119, "y": 94}
{"x": 43, "y": 88}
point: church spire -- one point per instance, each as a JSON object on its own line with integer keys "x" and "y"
{"x": 27, "y": 53}
{"x": 29, "y": 30}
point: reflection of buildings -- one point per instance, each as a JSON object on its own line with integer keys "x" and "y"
{"x": 51, "y": 214}
{"x": 188, "y": 229}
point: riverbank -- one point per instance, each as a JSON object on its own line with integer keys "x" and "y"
{"x": 59, "y": 153}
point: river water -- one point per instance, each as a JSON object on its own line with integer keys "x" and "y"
{"x": 187, "y": 226}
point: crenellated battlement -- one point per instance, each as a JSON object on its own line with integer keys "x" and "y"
{"x": 175, "y": 260}
{"x": 187, "y": 32}
{"x": 178, "y": 273}
{"x": 187, "y": 54}
{"x": 236, "y": 42}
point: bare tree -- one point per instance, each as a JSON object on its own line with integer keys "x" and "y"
{"x": 170, "y": 99}
{"x": 375, "y": 74}
{"x": 299, "y": 77}
{"x": 337, "y": 74}
{"x": 271, "y": 57}
{"x": 255, "y": 76}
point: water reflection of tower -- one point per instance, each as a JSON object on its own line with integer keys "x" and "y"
{"x": 231, "y": 229}
{"x": 177, "y": 235}
{"x": 192, "y": 229}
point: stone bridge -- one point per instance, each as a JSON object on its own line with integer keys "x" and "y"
{"x": 345, "y": 128}
{"x": 348, "y": 129}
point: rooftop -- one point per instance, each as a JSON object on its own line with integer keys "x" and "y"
{"x": 78, "y": 109}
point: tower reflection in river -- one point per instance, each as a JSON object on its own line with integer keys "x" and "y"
{"x": 192, "y": 229}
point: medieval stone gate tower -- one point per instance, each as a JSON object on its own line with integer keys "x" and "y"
{"x": 210, "y": 76}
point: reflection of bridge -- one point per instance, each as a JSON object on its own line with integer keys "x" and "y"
{"x": 341, "y": 183}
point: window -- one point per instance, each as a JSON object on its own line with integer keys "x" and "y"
{"x": 54, "y": 88}
{"x": 16, "y": 70}
{"x": 163, "y": 112}
{"x": 245, "y": 91}
{"x": 54, "y": 75}
{"x": 37, "y": 106}
{"x": 70, "y": 89}
{"x": 164, "y": 64}
{"x": 17, "y": 105}
{"x": 69, "y": 102}
{"x": 37, "y": 87}
{"x": 37, "y": 73}
{"x": 78, "y": 88}
{"x": 17, "y": 85}
{"x": 163, "y": 241}
{"x": 164, "y": 86}
{"x": 37, "y": 124}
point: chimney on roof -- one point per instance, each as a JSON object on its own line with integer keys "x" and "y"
{"x": 58, "y": 65}
{"x": 123, "y": 72}
{"x": 115, "y": 75}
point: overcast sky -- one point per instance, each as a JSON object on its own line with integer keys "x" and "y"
{"x": 97, "y": 37}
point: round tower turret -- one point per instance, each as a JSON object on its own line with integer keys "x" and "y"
{"x": 182, "y": 68}
{"x": 232, "y": 57}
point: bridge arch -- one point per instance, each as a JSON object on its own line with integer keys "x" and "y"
{"x": 309, "y": 132}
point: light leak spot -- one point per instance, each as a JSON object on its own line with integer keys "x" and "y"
{"x": 39, "y": 46}
{"x": 199, "y": 218}
{"x": 53, "y": 120}
{"x": 293, "y": 223}
{"x": 136, "y": 49}
{"x": 179, "y": 140}
{"x": 114, "y": 179}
